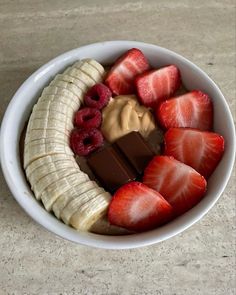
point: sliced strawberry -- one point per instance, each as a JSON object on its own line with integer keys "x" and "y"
{"x": 157, "y": 85}
{"x": 120, "y": 78}
{"x": 137, "y": 207}
{"x": 201, "y": 150}
{"x": 193, "y": 109}
{"x": 179, "y": 184}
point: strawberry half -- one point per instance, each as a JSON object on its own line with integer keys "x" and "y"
{"x": 120, "y": 78}
{"x": 137, "y": 207}
{"x": 157, "y": 85}
{"x": 179, "y": 184}
{"x": 201, "y": 150}
{"x": 193, "y": 109}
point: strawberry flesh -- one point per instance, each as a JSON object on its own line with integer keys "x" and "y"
{"x": 193, "y": 109}
{"x": 137, "y": 207}
{"x": 179, "y": 184}
{"x": 155, "y": 86}
{"x": 120, "y": 78}
{"x": 201, "y": 150}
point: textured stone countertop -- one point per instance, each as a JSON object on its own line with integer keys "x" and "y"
{"x": 201, "y": 260}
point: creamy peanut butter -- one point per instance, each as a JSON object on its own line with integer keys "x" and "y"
{"x": 124, "y": 114}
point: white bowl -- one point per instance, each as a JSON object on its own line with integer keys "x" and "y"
{"x": 106, "y": 52}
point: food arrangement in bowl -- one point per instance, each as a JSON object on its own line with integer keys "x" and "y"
{"x": 120, "y": 149}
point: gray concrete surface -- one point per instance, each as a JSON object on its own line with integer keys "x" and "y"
{"x": 200, "y": 261}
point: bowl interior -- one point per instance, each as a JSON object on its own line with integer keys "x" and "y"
{"x": 20, "y": 108}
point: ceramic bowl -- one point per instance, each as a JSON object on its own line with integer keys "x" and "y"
{"x": 20, "y": 108}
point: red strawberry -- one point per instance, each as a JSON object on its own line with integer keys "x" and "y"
{"x": 179, "y": 184}
{"x": 120, "y": 78}
{"x": 193, "y": 109}
{"x": 201, "y": 150}
{"x": 156, "y": 85}
{"x": 137, "y": 207}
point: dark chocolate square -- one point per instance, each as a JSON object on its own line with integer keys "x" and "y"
{"x": 136, "y": 150}
{"x": 111, "y": 168}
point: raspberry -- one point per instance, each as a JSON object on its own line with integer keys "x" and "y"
{"x": 88, "y": 118}
{"x": 97, "y": 96}
{"x": 85, "y": 141}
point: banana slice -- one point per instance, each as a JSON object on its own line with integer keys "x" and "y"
{"x": 42, "y": 162}
{"x": 53, "y": 101}
{"x": 91, "y": 71}
{"x": 73, "y": 193}
{"x": 96, "y": 65}
{"x": 41, "y": 114}
{"x": 82, "y": 75}
{"x": 49, "y": 123}
{"x": 61, "y": 121}
{"x": 54, "y": 106}
{"x": 49, "y": 168}
{"x": 54, "y": 90}
{"x": 74, "y": 203}
{"x": 35, "y": 134}
{"x": 90, "y": 212}
{"x": 42, "y": 142}
{"x": 75, "y": 81}
{"x": 54, "y": 190}
{"x": 44, "y": 182}
{"x": 35, "y": 151}
{"x": 69, "y": 86}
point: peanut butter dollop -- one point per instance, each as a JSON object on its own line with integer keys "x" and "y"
{"x": 124, "y": 114}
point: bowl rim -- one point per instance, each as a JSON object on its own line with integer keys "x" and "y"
{"x": 95, "y": 240}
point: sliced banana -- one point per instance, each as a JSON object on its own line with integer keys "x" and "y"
{"x": 66, "y": 105}
{"x": 61, "y": 121}
{"x": 40, "y": 114}
{"x": 76, "y": 201}
{"x": 54, "y": 190}
{"x": 55, "y": 106}
{"x": 35, "y": 151}
{"x": 96, "y": 65}
{"x": 35, "y": 134}
{"x": 59, "y": 134}
{"x": 45, "y": 170}
{"x": 75, "y": 81}
{"x": 72, "y": 193}
{"x": 54, "y": 90}
{"x": 47, "y": 160}
{"x": 47, "y": 142}
{"x": 74, "y": 72}
{"x": 69, "y": 86}
{"x": 90, "y": 212}
{"x": 44, "y": 182}
{"x": 87, "y": 68}
{"x": 49, "y": 123}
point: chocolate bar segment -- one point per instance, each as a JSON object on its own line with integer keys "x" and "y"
{"x": 110, "y": 168}
{"x": 136, "y": 150}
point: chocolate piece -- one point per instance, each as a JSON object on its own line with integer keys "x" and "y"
{"x": 111, "y": 169}
{"x": 136, "y": 150}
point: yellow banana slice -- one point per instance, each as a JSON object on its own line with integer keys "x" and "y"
{"x": 90, "y": 212}
{"x": 76, "y": 203}
{"x": 56, "y": 189}
{"x": 47, "y": 180}
{"x": 73, "y": 193}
